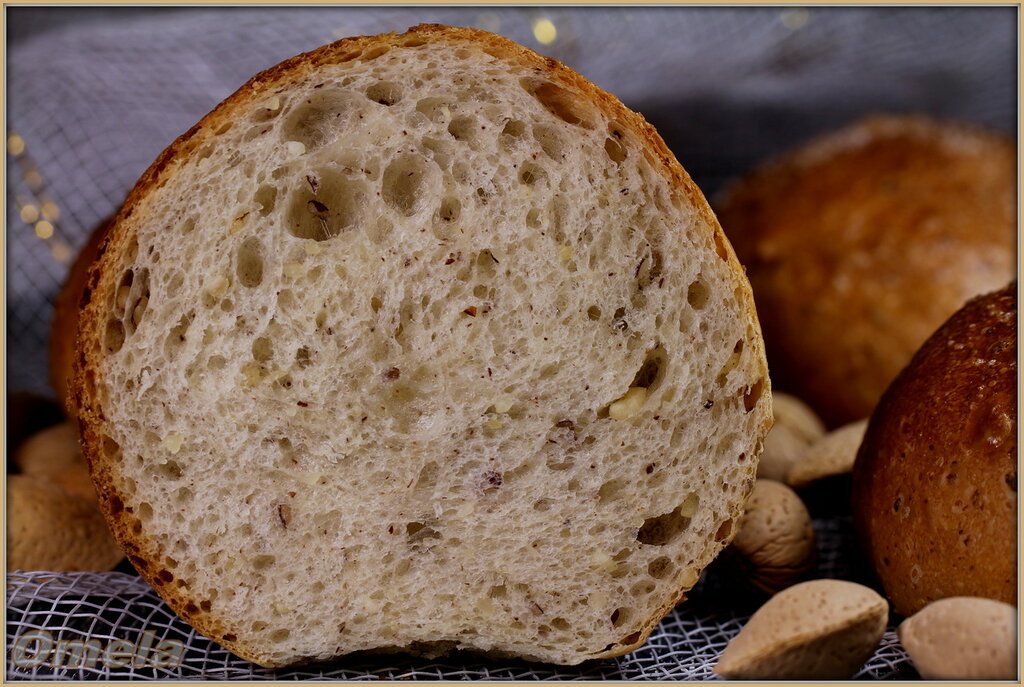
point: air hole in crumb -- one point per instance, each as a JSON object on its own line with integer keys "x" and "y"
{"x": 730, "y": 364}
{"x": 514, "y": 128}
{"x": 386, "y": 93}
{"x": 642, "y": 588}
{"x": 616, "y": 151}
{"x": 594, "y": 313}
{"x": 279, "y": 635}
{"x": 651, "y": 371}
{"x": 326, "y": 208}
{"x": 303, "y": 357}
{"x": 262, "y": 562}
{"x": 619, "y": 616}
{"x": 533, "y": 218}
{"x": 609, "y": 491}
{"x": 450, "y": 209}
{"x": 551, "y": 141}
{"x": 753, "y": 395}
{"x": 663, "y": 529}
{"x": 110, "y": 448}
{"x": 463, "y": 128}
{"x": 266, "y": 196}
{"x": 176, "y": 337}
{"x": 262, "y": 349}
{"x": 697, "y": 294}
{"x": 660, "y": 567}
{"x": 530, "y": 174}
{"x": 405, "y": 183}
{"x": 559, "y": 102}
{"x": 720, "y": 248}
{"x": 724, "y": 531}
{"x": 249, "y": 262}
{"x": 434, "y": 109}
{"x": 560, "y": 624}
{"x": 317, "y": 120}
{"x": 113, "y": 338}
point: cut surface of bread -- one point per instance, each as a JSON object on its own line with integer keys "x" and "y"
{"x": 421, "y": 342}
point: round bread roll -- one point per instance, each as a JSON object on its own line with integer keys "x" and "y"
{"x": 63, "y": 329}
{"x": 50, "y": 528}
{"x": 860, "y": 244}
{"x": 935, "y": 481}
{"x": 421, "y": 342}
{"x": 55, "y": 454}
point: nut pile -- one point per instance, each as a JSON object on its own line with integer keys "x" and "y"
{"x": 826, "y": 629}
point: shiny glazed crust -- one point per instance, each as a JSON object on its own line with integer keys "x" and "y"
{"x": 935, "y": 483}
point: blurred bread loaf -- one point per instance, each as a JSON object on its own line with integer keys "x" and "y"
{"x": 51, "y": 528}
{"x": 935, "y": 482}
{"x": 65, "y": 317}
{"x": 861, "y": 243}
{"x": 421, "y": 342}
{"x": 55, "y": 454}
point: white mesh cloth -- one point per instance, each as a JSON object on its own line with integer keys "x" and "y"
{"x": 93, "y": 101}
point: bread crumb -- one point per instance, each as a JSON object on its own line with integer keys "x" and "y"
{"x": 296, "y": 148}
{"x": 293, "y": 270}
{"x": 565, "y": 253}
{"x": 313, "y": 247}
{"x": 494, "y": 423}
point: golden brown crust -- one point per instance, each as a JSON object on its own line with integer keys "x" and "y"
{"x": 65, "y": 317}
{"x": 935, "y": 483}
{"x": 145, "y": 553}
{"x": 861, "y": 243}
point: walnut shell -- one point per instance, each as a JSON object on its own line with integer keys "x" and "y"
{"x": 775, "y": 546}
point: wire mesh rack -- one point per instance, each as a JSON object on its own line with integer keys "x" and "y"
{"x": 95, "y": 94}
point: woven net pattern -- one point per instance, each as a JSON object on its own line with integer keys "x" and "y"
{"x": 109, "y": 606}
{"x": 92, "y": 101}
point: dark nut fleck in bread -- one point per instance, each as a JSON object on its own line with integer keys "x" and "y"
{"x": 861, "y": 243}
{"x": 418, "y": 342}
{"x": 935, "y": 482}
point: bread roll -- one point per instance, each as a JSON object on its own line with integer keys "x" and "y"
{"x": 935, "y": 482}
{"x": 65, "y": 317}
{"x": 55, "y": 454}
{"x": 51, "y": 528}
{"x": 419, "y": 342}
{"x": 861, "y": 243}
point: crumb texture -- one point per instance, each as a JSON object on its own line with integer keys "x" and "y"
{"x": 423, "y": 348}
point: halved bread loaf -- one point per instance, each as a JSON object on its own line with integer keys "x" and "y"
{"x": 421, "y": 341}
